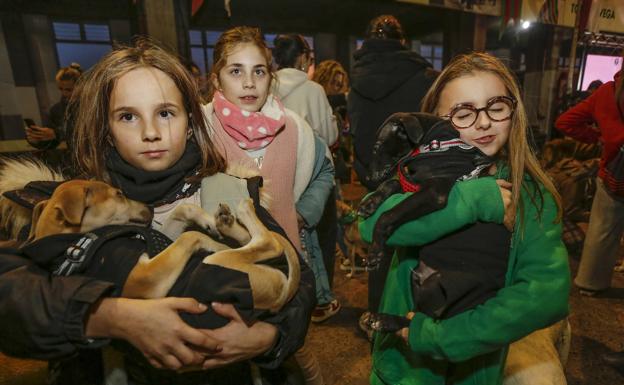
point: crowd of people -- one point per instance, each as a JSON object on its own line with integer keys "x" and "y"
{"x": 149, "y": 124}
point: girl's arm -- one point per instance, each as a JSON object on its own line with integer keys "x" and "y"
{"x": 44, "y": 317}
{"x": 468, "y": 202}
{"x": 537, "y": 297}
{"x": 577, "y": 122}
{"x": 311, "y": 203}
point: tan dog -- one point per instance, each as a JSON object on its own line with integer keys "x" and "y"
{"x": 355, "y": 245}
{"x": 14, "y": 175}
{"x": 80, "y": 206}
{"x": 539, "y": 358}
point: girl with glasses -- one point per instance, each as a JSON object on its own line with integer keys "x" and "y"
{"x": 480, "y": 97}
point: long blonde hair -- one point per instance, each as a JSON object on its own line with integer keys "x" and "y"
{"x": 517, "y": 153}
{"x": 325, "y": 73}
{"x": 90, "y": 104}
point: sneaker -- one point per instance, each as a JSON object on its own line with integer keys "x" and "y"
{"x": 323, "y": 312}
{"x": 590, "y": 292}
{"x": 364, "y": 325}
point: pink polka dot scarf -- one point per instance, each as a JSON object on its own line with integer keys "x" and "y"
{"x": 250, "y": 130}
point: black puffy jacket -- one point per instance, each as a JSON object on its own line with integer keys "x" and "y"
{"x": 386, "y": 78}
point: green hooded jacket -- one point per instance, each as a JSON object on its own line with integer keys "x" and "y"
{"x": 471, "y": 347}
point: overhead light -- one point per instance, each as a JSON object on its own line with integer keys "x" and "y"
{"x": 526, "y": 24}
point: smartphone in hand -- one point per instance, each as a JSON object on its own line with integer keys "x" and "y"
{"x": 29, "y": 122}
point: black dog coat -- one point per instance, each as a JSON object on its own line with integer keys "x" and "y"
{"x": 109, "y": 253}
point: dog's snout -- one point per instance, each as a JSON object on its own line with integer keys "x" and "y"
{"x": 147, "y": 214}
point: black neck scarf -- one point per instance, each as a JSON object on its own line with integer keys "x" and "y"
{"x": 156, "y": 187}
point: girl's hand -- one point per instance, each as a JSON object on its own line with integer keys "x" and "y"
{"x": 239, "y": 341}
{"x": 154, "y": 327}
{"x": 510, "y": 212}
{"x": 38, "y": 134}
{"x": 404, "y": 333}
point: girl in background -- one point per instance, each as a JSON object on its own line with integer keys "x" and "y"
{"x": 252, "y": 128}
{"x": 471, "y": 347}
{"x": 307, "y": 99}
{"x": 334, "y": 79}
{"x": 58, "y": 128}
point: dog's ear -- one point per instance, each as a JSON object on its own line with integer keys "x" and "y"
{"x": 417, "y": 124}
{"x": 36, "y": 214}
{"x": 71, "y": 205}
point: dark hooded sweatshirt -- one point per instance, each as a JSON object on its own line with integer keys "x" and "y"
{"x": 385, "y": 79}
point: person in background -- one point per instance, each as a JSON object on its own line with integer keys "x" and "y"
{"x": 335, "y": 81}
{"x": 307, "y": 99}
{"x": 58, "y": 127}
{"x": 252, "y": 129}
{"x": 386, "y": 78}
{"x": 292, "y": 55}
{"x": 600, "y": 118}
{"x": 593, "y": 86}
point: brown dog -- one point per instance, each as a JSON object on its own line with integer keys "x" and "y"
{"x": 355, "y": 245}
{"x": 80, "y": 206}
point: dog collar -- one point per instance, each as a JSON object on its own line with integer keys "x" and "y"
{"x": 444, "y": 145}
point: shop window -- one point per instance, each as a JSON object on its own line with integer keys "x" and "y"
{"x": 433, "y": 53}
{"x": 202, "y": 47}
{"x": 82, "y": 43}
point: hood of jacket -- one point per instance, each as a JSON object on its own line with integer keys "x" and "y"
{"x": 381, "y": 66}
{"x": 288, "y": 80}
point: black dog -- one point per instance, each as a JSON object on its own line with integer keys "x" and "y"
{"x": 430, "y": 158}
{"x": 424, "y": 154}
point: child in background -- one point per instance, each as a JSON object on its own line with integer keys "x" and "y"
{"x": 252, "y": 128}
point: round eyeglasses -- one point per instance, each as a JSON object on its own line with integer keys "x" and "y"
{"x": 498, "y": 109}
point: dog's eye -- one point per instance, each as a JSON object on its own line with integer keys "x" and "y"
{"x": 119, "y": 194}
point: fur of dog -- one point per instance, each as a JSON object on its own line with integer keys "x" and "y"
{"x": 14, "y": 175}
{"x": 79, "y": 206}
{"x": 539, "y": 358}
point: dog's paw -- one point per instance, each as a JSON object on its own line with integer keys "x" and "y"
{"x": 224, "y": 216}
{"x": 369, "y": 205}
{"x": 386, "y": 323}
{"x": 375, "y": 256}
